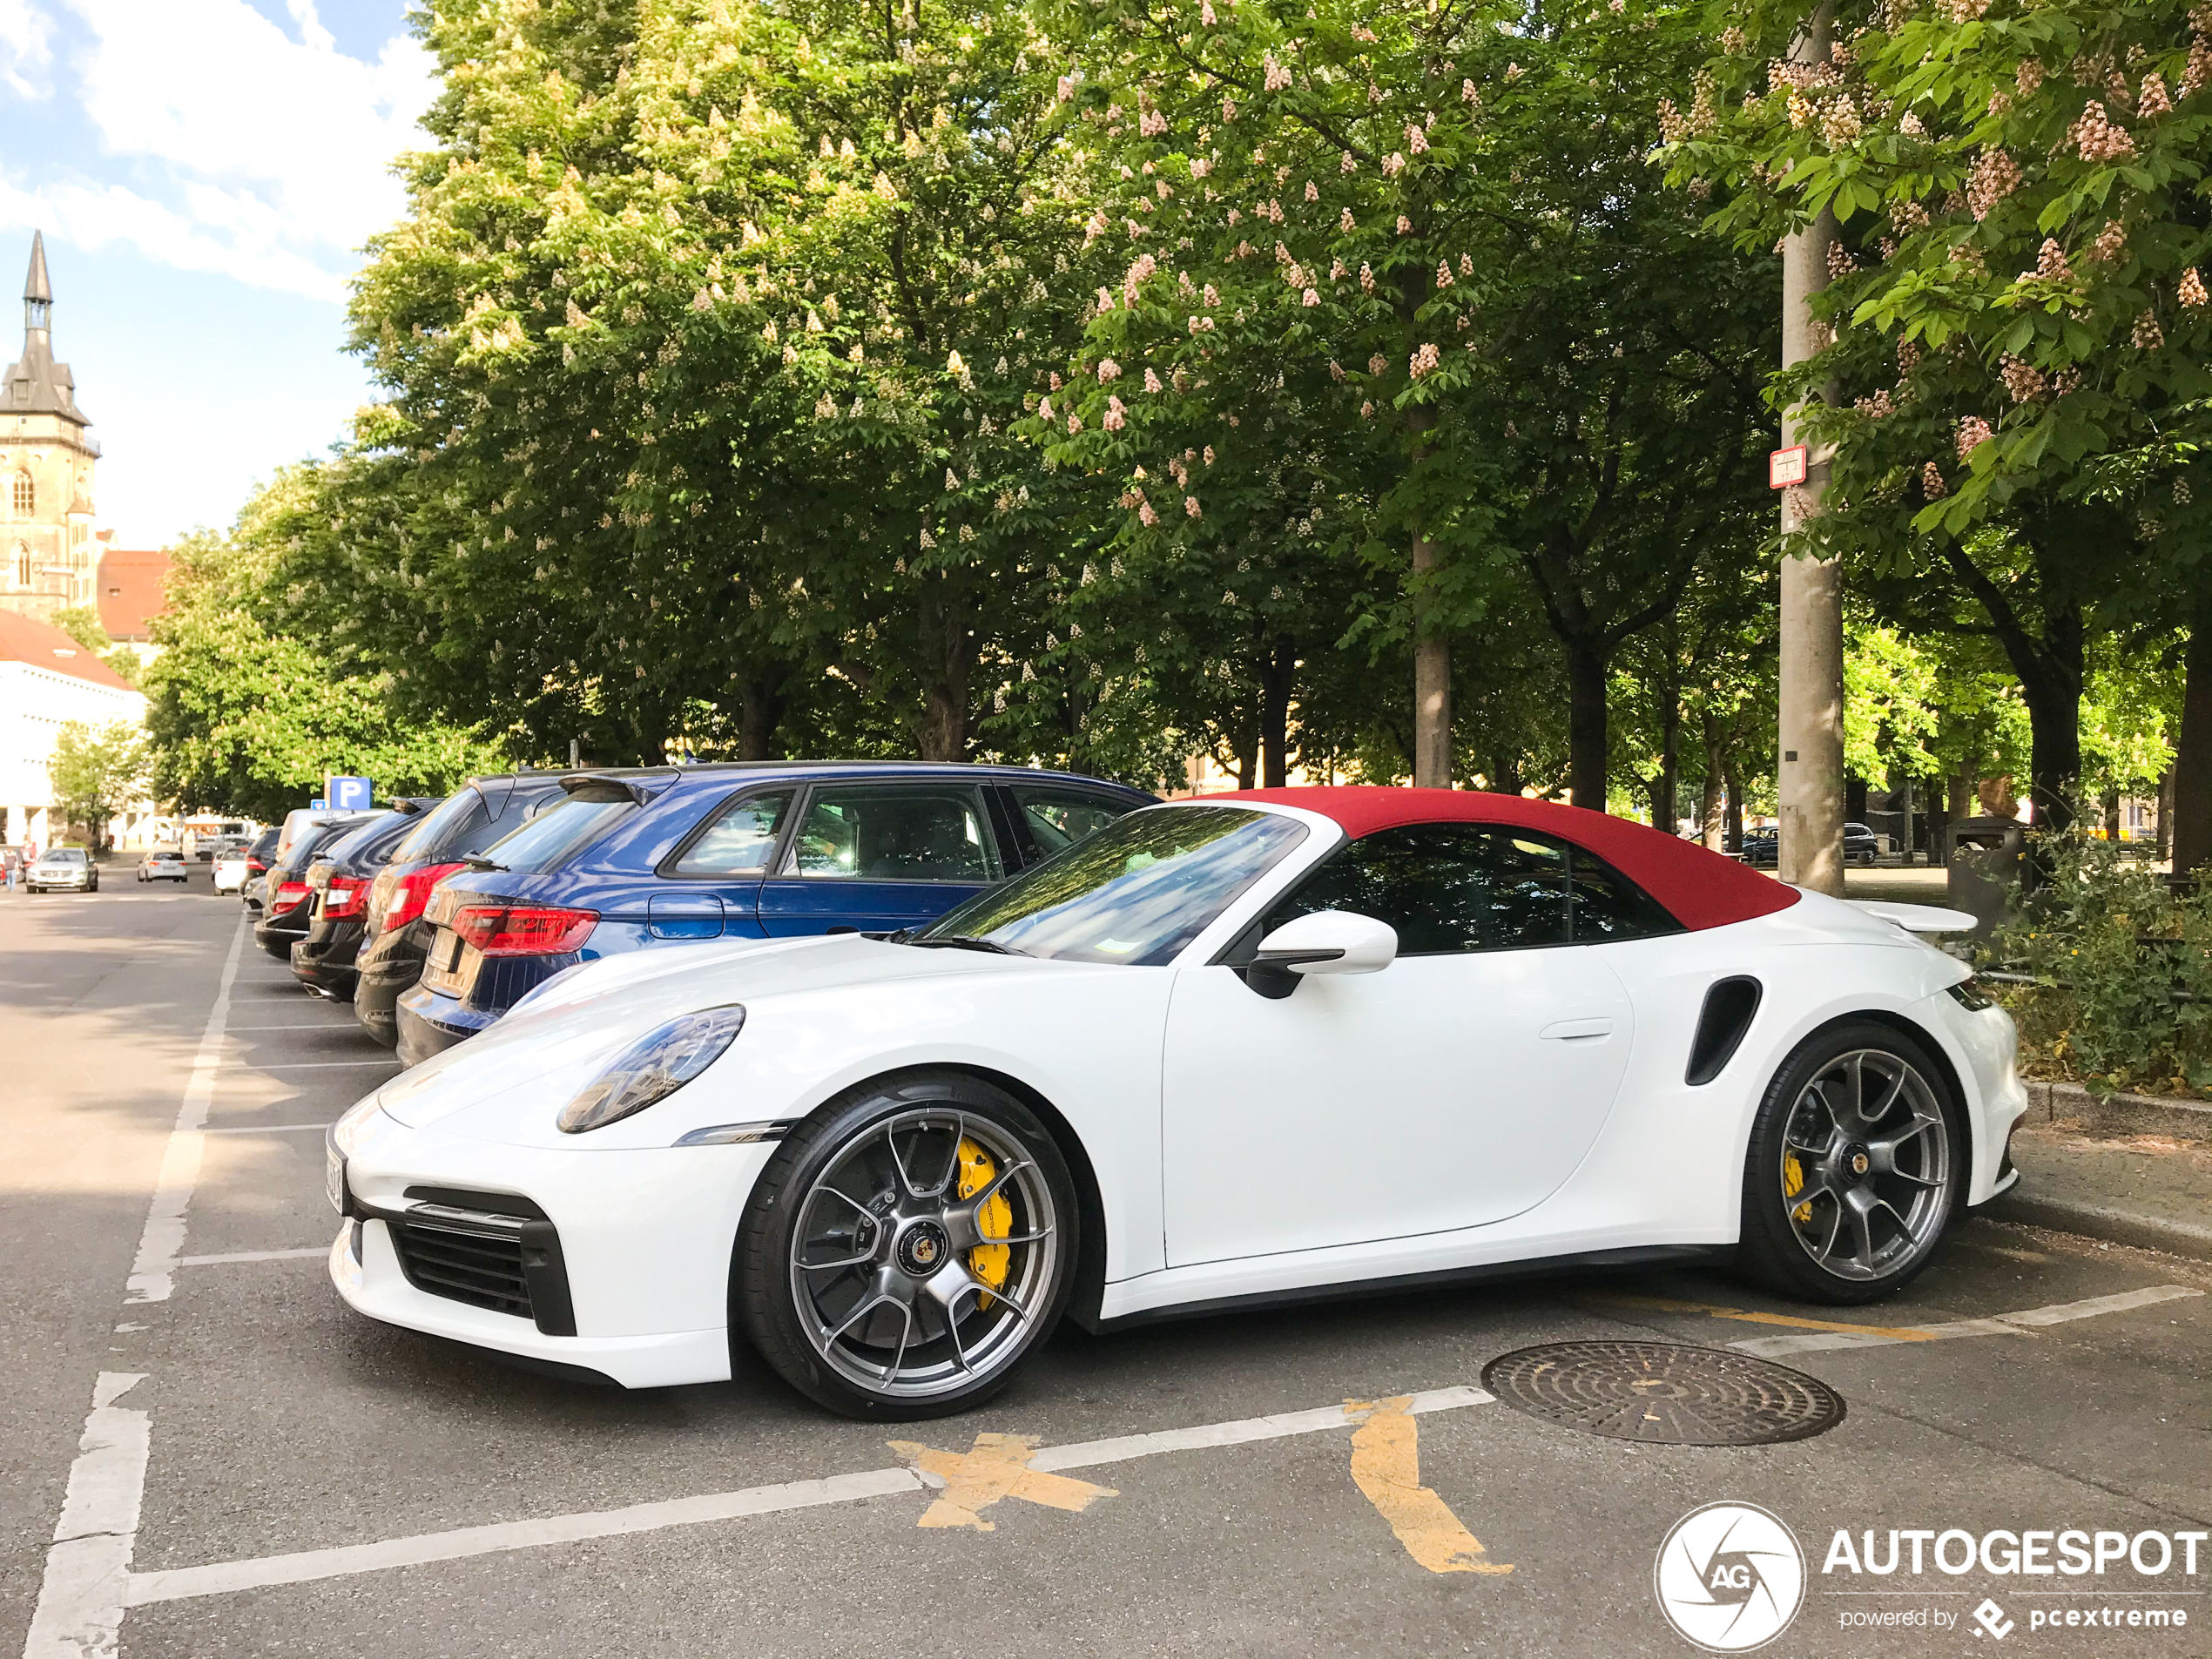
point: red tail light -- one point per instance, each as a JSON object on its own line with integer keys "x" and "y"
{"x": 344, "y": 897}
{"x": 401, "y": 895}
{"x": 289, "y": 893}
{"x": 256, "y": 866}
{"x": 526, "y": 930}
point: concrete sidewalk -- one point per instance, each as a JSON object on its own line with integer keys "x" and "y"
{"x": 2151, "y": 1191}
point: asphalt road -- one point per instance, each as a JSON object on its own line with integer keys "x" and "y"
{"x": 269, "y": 1422}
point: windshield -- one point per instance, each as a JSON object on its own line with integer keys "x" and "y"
{"x": 1138, "y": 891}
{"x": 63, "y": 855}
{"x": 561, "y": 828}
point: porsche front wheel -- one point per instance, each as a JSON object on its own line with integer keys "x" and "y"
{"x": 1855, "y": 1166}
{"x": 906, "y": 1248}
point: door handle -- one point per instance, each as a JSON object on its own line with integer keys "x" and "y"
{"x": 1572, "y": 1031}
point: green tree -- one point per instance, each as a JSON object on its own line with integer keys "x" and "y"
{"x": 82, "y": 624}
{"x": 97, "y": 775}
{"x": 246, "y": 719}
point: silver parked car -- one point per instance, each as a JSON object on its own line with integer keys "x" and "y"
{"x": 68, "y": 869}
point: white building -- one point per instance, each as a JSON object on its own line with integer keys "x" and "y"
{"x": 47, "y": 680}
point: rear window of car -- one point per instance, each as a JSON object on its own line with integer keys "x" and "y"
{"x": 556, "y": 832}
{"x": 444, "y": 824}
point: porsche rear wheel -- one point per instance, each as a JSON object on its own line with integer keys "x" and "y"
{"x": 1857, "y": 1165}
{"x": 907, "y": 1248}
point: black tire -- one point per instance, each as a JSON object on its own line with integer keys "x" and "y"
{"x": 1851, "y": 1172}
{"x": 936, "y": 1111}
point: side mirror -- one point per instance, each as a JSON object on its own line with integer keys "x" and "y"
{"x": 1328, "y": 942}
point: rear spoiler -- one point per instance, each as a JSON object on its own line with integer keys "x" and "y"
{"x": 1918, "y": 918}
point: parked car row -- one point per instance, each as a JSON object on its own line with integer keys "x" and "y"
{"x": 1861, "y": 845}
{"x": 435, "y": 918}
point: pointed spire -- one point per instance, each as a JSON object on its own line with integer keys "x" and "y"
{"x": 34, "y": 286}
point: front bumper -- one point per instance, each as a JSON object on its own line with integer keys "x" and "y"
{"x": 645, "y": 1241}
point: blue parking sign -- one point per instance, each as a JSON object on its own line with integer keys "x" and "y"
{"x": 349, "y": 794}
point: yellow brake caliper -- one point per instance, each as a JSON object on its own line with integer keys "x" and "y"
{"x": 994, "y": 1220}
{"x": 1793, "y": 1183}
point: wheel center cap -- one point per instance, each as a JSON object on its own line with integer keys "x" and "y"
{"x": 1858, "y": 1160}
{"x": 922, "y": 1249}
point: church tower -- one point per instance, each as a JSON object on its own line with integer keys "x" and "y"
{"x": 49, "y": 558}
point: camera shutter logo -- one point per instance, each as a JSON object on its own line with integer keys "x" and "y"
{"x": 1729, "y": 1577}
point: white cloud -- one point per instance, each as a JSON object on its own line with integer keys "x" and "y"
{"x": 24, "y": 52}
{"x": 242, "y": 151}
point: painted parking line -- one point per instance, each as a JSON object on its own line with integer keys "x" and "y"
{"x": 996, "y": 1467}
{"x": 310, "y": 1065}
{"x": 1817, "y": 1336}
{"x": 2022, "y": 1323}
{"x": 262, "y": 1129}
{"x": 225, "y": 1578}
{"x": 1386, "y": 1468}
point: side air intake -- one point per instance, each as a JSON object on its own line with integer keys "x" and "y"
{"x": 1727, "y": 1016}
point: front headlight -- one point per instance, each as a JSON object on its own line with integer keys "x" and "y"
{"x": 655, "y": 1065}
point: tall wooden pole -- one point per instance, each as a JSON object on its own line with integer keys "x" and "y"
{"x": 1809, "y": 781}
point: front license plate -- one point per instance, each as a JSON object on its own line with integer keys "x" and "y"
{"x": 333, "y": 1178}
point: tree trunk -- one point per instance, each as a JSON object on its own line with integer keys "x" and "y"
{"x": 948, "y": 656}
{"x": 1664, "y": 790}
{"x": 1712, "y": 806}
{"x": 1587, "y": 742}
{"x": 760, "y": 710}
{"x": 2192, "y": 780}
{"x": 2165, "y": 815}
{"x": 2054, "y": 727}
{"x": 1855, "y": 792}
{"x": 1277, "y": 676}
{"x": 1505, "y": 774}
{"x": 2108, "y": 807}
{"x": 1734, "y": 809}
{"x": 1432, "y": 690}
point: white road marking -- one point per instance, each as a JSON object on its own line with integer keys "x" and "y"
{"x": 224, "y": 1578}
{"x": 2002, "y": 1324}
{"x": 299, "y": 1025}
{"x": 163, "y": 1239}
{"x": 88, "y": 1567}
{"x": 262, "y": 1129}
{"x": 307, "y": 1065}
{"x": 319, "y": 1252}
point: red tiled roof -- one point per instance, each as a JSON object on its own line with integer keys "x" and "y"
{"x": 1700, "y": 888}
{"x": 131, "y": 593}
{"x": 43, "y": 645}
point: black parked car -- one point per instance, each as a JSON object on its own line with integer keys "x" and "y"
{"x": 396, "y": 938}
{"x": 339, "y": 882}
{"x": 1764, "y": 846}
{"x": 287, "y": 897}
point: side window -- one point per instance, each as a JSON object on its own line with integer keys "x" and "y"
{"x": 1445, "y": 887}
{"x": 1054, "y": 819}
{"x": 741, "y": 840}
{"x": 1609, "y": 906}
{"x": 895, "y": 832}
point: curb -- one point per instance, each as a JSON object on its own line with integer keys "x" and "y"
{"x": 2188, "y": 1120}
{"x": 2100, "y": 1221}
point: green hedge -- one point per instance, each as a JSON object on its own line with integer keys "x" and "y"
{"x": 2118, "y": 969}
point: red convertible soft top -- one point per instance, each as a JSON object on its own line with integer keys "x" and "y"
{"x": 1701, "y": 889}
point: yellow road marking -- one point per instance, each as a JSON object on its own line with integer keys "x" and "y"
{"x": 1750, "y": 1315}
{"x": 996, "y": 1467}
{"x": 1386, "y": 1467}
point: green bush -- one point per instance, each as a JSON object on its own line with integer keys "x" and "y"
{"x": 2122, "y": 972}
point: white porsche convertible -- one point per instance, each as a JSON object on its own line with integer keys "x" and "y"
{"x": 1271, "y": 1046}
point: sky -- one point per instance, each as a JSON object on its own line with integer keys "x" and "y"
{"x": 205, "y": 173}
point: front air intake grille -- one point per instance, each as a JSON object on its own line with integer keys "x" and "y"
{"x": 481, "y": 1270}
{"x": 490, "y": 1249}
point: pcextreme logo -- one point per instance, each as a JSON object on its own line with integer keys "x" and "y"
{"x": 1729, "y": 1577}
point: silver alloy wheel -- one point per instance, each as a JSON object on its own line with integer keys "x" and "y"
{"x": 882, "y": 1269}
{"x": 1866, "y": 1168}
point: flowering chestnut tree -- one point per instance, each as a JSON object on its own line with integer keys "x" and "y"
{"x": 1396, "y": 285}
{"x": 2017, "y": 377}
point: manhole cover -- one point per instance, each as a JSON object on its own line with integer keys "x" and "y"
{"x": 1664, "y": 1393}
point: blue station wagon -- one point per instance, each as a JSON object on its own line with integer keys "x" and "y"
{"x": 633, "y": 859}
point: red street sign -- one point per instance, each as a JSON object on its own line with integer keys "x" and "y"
{"x": 1785, "y": 468}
